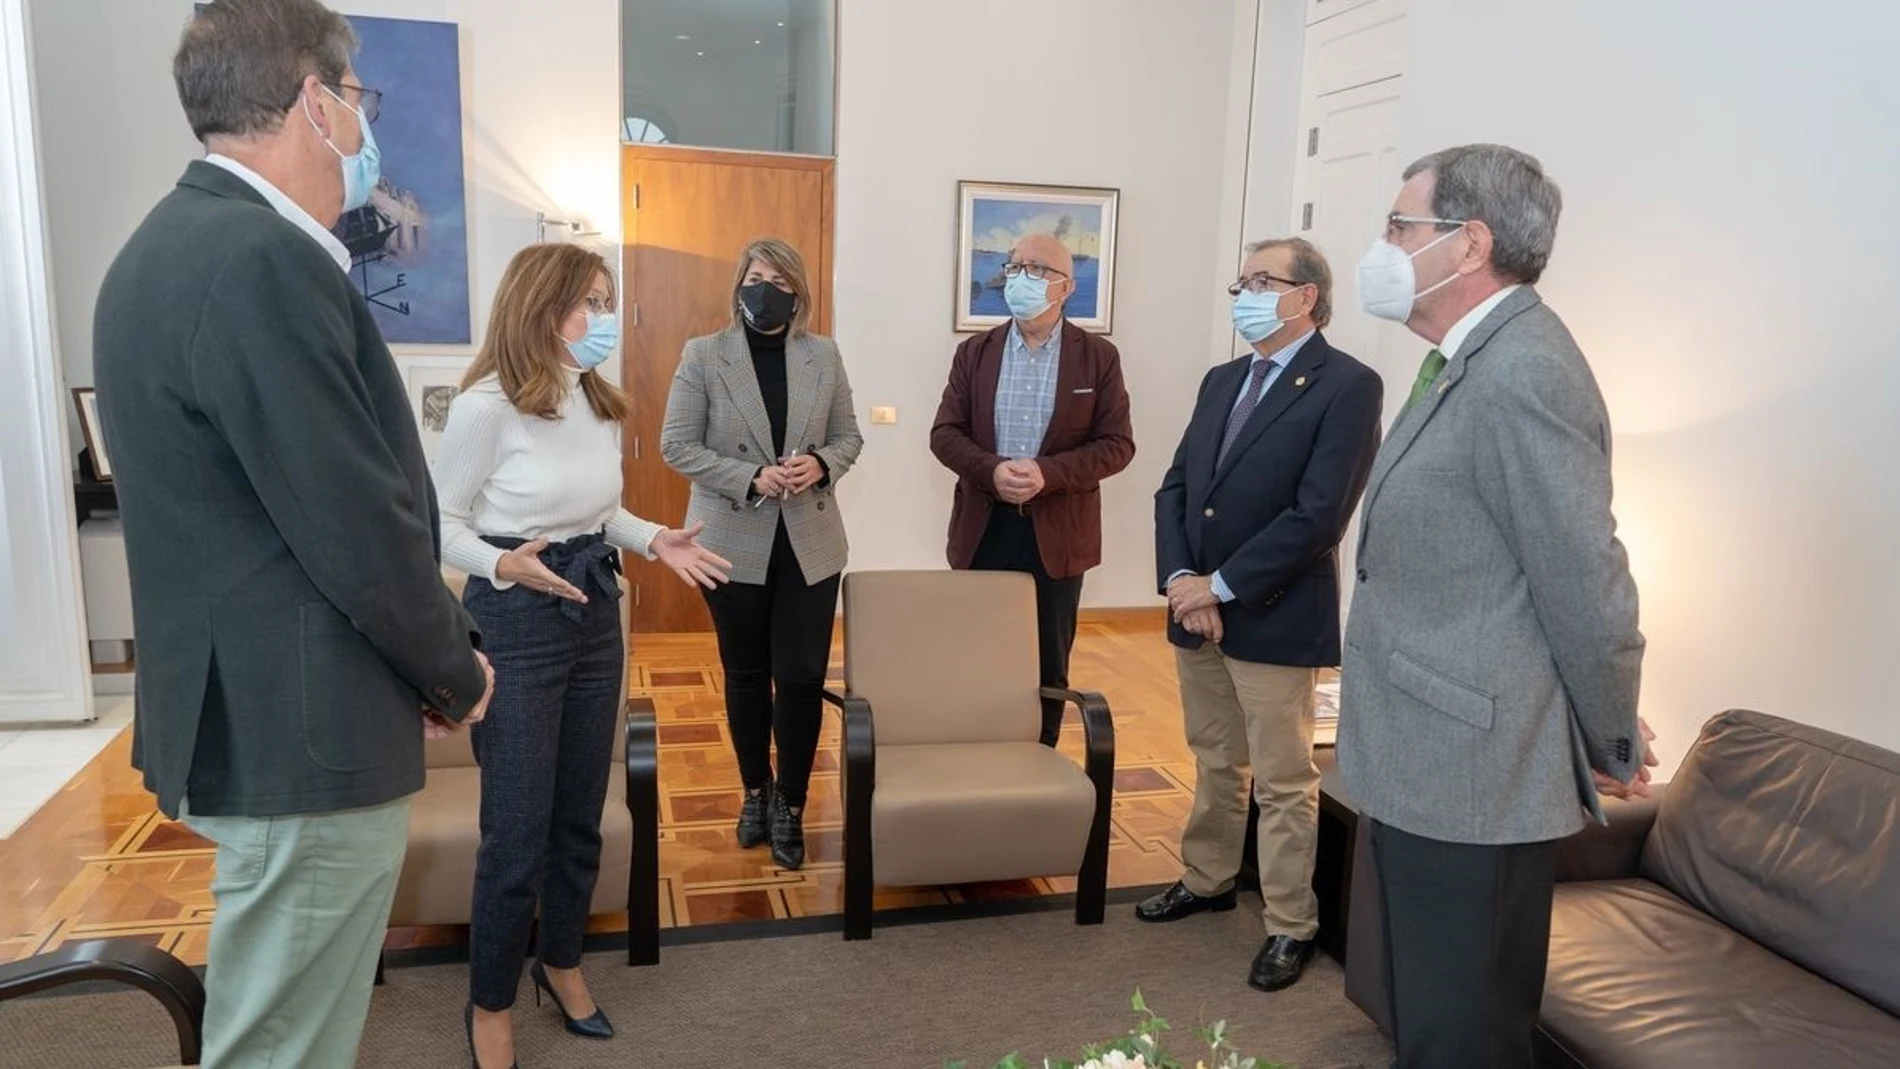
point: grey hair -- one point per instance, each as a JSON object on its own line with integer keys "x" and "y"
{"x": 241, "y": 64}
{"x": 1309, "y": 269}
{"x": 1507, "y": 191}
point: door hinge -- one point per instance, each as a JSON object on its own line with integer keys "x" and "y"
{"x": 636, "y": 196}
{"x": 1312, "y": 141}
{"x": 633, "y": 314}
{"x": 1306, "y": 216}
{"x": 636, "y": 595}
{"x": 636, "y": 447}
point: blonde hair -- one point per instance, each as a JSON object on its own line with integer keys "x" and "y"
{"x": 785, "y": 260}
{"x": 542, "y": 286}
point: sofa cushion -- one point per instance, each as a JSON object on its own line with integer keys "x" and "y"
{"x": 946, "y": 813}
{"x": 1787, "y": 833}
{"x": 437, "y": 884}
{"x": 1640, "y": 979}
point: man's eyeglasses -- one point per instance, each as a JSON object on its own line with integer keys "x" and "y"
{"x": 1260, "y": 283}
{"x": 1396, "y": 224}
{"x": 1035, "y": 271}
{"x": 370, "y": 100}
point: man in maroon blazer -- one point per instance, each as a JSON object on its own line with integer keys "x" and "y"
{"x": 1035, "y": 416}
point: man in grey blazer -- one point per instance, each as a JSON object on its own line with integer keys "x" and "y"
{"x": 1492, "y": 654}
{"x": 295, "y": 638}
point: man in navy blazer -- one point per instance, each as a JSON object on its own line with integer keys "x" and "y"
{"x": 1248, "y": 522}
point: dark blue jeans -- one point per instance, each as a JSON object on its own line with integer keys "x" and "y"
{"x": 545, "y": 755}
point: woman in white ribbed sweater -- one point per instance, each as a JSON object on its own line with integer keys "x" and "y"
{"x": 529, "y": 479}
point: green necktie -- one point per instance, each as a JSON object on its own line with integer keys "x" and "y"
{"x": 1428, "y": 370}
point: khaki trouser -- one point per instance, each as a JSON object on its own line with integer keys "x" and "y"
{"x": 302, "y": 906}
{"x": 1244, "y": 718}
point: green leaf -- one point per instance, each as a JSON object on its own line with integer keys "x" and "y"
{"x": 1140, "y": 1006}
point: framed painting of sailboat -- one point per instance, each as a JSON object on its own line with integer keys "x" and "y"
{"x": 993, "y": 216}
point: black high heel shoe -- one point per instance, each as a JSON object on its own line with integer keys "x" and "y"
{"x": 752, "y": 817}
{"x": 788, "y": 833}
{"x": 593, "y": 1026}
{"x": 468, "y": 1025}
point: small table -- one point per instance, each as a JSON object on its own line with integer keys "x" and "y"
{"x": 1332, "y": 864}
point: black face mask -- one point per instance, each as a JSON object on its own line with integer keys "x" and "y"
{"x": 767, "y": 308}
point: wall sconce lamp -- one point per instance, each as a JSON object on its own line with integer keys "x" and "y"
{"x": 570, "y": 229}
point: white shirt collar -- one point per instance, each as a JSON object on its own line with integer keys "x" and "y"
{"x": 287, "y": 208}
{"x": 1455, "y": 337}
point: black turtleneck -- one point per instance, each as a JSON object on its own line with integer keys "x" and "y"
{"x": 768, "y": 363}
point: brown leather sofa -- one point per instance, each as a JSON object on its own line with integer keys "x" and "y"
{"x": 1748, "y": 915}
{"x": 438, "y": 874}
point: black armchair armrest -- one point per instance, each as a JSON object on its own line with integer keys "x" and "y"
{"x": 124, "y": 961}
{"x": 1098, "y": 732}
{"x": 860, "y": 778}
{"x": 1613, "y": 851}
{"x": 643, "y": 805}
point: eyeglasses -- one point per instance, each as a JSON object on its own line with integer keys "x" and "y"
{"x": 1396, "y": 224}
{"x": 1035, "y": 271}
{"x": 1260, "y": 283}
{"x": 370, "y": 100}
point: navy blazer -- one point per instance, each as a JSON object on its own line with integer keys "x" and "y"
{"x": 1271, "y": 516}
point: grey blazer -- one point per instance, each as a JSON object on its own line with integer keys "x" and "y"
{"x": 1492, "y": 656}
{"x": 718, "y": 435}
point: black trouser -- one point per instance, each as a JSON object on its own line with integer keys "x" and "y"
{"x": 1467, "y": 933}
{"x": 545, "y": 751}
{"x": 1009, "y": 545}
{"x": 775, "y": 637}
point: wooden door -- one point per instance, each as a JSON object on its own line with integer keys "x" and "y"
{"x": 687, "y": 212}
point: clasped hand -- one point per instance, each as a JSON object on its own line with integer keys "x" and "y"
{"x": 1639, "y": 786}
{"x": 1192, "y": 603}
{"x": 1018, "y": 481}
{"x": 792, "y": 475}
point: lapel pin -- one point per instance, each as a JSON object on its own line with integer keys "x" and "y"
{"x": 1444, "y": 387}
{"x": 1301, "y": 381}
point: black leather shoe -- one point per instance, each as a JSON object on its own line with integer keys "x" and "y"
{"x": 593, "y": 1026}
{"x": 788, "y": 833}
{"x": 1177, "y": 902}
{"x": 1281, "y": 960}
{"x": 752, "y": 817}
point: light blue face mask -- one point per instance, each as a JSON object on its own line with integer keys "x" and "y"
{"x": 1027, "y": 297}
{"x": 595, "y": 346}
{"x": 362, "y": 171}
{"x": 1257, "y": 315}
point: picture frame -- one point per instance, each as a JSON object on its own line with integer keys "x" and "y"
{"x": 432, "y": 383}
{"x": 86, "y": 400}
{"x": 992, "y": 216}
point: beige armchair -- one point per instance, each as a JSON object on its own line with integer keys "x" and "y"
{"x": 944, "y": 781}
{"x": 438, "y": 875}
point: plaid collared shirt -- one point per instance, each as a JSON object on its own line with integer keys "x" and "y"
{"x": 1026, "y": 393}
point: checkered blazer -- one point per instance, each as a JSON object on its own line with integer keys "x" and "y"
{"x": 718, "y": 435}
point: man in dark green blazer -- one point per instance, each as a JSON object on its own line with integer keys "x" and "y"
{"x": 295, "y": 638}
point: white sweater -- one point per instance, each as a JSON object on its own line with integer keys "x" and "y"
{"x": 504, "y": 473}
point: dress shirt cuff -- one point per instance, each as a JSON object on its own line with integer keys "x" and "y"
{"x": 1221, "y": 590}
{"x": 1172, "y": 578}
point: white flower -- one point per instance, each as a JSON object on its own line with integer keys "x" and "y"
{"x": 1115, "y": 1059}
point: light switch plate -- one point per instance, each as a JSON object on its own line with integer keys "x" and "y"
{"x": 883, "y": 415}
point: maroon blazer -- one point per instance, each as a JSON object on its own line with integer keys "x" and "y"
{"x": 1089, "y": 438}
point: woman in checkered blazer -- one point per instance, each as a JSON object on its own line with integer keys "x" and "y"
{"x": 760, "y": 420}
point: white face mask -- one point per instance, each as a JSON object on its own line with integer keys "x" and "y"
{"x": 1388, "y": 284}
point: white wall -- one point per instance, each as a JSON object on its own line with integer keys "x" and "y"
{"x": 541, "y": 102}
{"x": 1727, "y": 257}
{"x": 43, "y": 669}
{"x": 1079, "y": 92}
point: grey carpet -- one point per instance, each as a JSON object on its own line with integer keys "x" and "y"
{"x": 910, "y": 997}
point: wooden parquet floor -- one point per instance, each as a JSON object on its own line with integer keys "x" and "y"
{"x": 98, "y": 861}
